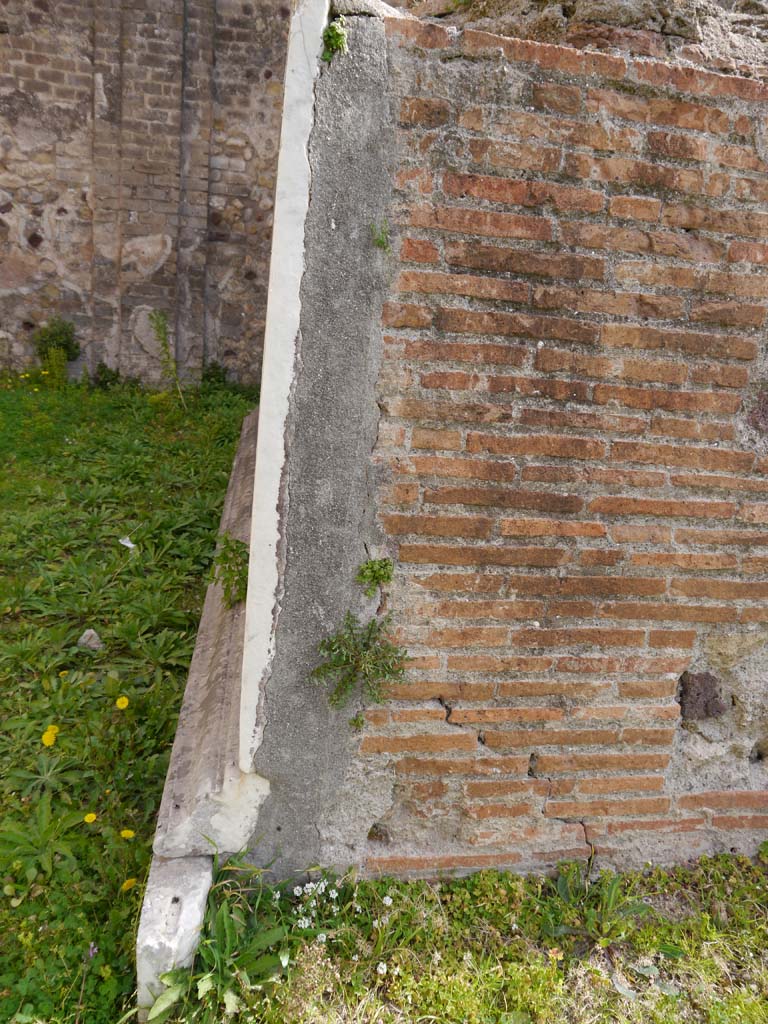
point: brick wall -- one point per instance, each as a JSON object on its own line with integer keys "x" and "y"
{"x": 573, "y": 487}
{"x": 139, "y": 148}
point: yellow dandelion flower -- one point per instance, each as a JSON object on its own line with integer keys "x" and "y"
{"x": 122, "y": 703}
{"x": 128, "y": 884}
{"x": 54, "y": 729}
{"x": 48, "y": 738}
{"x": 127, "y": 833}
{"x": 63, "y": 673}
{"x": 89, "y": 818}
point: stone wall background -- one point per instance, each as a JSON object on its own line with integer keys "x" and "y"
{"x": 138, "y": 152}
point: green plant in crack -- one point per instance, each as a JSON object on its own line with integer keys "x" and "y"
{"x": 380, "y": 236}
{"x": 230, "y": 569}
{"x": 359, "y": 657}
{"x": 374, "y": 573}
{"x": 335, "y": 39}
{"x": 158, "y": 320}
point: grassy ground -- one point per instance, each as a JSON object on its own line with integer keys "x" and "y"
{"x": 85, "y": 735}
{"x": 659, "y": 947}
{"x": 84, "y": 743}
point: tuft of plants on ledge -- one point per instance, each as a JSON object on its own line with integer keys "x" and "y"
{"x": 335, "y": 38}
{"x": 111, "y": 501}
{"x": 230, "y": 569}
{"x": 482, "y": 950}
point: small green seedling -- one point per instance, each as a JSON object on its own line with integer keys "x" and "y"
{"x": 158, "y": 320}
{"x": 380, "y": 236}
{"x": 335, "y": 39}
{"x": 374, "y": 573}
{"x": 230, "y": 569}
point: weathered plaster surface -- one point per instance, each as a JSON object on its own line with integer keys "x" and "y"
{"x": 322, "y": 801}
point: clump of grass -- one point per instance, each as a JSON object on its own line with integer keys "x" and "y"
{"x": 85, "y": 735}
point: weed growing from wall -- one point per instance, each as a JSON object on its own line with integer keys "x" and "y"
{"x": 374, "y": 573}
{"x": 335, "y": 39}
{"x": 230, "y": 569}
{"x": 158, "y": 319}
{"x": 56, "y": 334}
{"x": 361, "y": 657}
{"x": 381, "y": 236}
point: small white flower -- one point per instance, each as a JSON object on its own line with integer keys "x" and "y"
{"x": 355, "y": 958}
{"x": 335, "y": 908}
{"x": 309, "y": 887}
{"x": 467, "y": 957}
{"x": 276, "y": 895}
{"x": 312, "y": 904}
{"x": 358, "y": 908}
{"x": 395, "y": 970}
{"x": 385, "y": 919}
{"x": 304, "y": 922}
{"x": 321, "y": 938}
{"x": 387, "y": 901}
{"x": 381, "y": 968}
{"x": 321, "y": 886}
{"x": 297, "y": 890}
{"x": 375, "y": 922}
{"x": 333, "y": 894}
{"x": 436, "y": 957}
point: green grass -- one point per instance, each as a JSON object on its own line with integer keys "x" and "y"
{"x": 81, "y": 469}
{"x": 689, "y": 945}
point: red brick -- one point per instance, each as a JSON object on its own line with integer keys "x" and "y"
{"x": 725, "y": 799}
{"x": 417, "y": 690}
{"x": 652, "y": 688}
{"x": 606, "y": 808}
{"x": 553, "y": 763}
{"x": 648, "y": 737}
{"x": 455, "y": 352}
{"x": 674, "y": 112}
{"x": 748, "y": 252}
{"x": 572, "y": 637}
{"x": 398, "y": 314}
{"x": 481, "y": 811}
{"x": 700, "y": 83}
{"x": 474, "y": 766}
{"x": 550, "y": 360}
{"x": 436, "y": 440}
{"x": 621, "y": 506}
{"x": 437, "y": 865}
{"x": 419, "y": 33}
{"x": 515, "y": 261}
{"x": 472, "y": 715}
{"x": 563, "y": 59}
{"x": 427, "y": 113}
{"x": 489, "y": 223}
{"x": 519, "y": 156}
{"x": 754, "y": 512}
{"x": 717, "y": 538}
{"x": 673, "y": 455}
{"x": 708, "y": 345}
{"x": 582, "y": 420}
{"x": 462, "y": 284}
{"x": 737, "y": 314}
{"x": 521, "y": 192}
{"x": 754, "y": 822}
{"x": 635, "y": 208}
{"x": 722, "y": 376}
{"x": 417, "y": 250}
{"x": 446, "y": 554}
{"x": 516, "y": 324}
{"x": 501, "y": 610}
{"x": 480, "y": 636}
{"x": 678, "y": 560}
{"x": 550, "y": 738}
{"x": 429, "y": 743}
{"x": 540, "y": 444}
{"x": 587, "y": 300}
{"x": 438, "y": 526}
{"x": 464, "y": 469}
{"x": 550, "y": 528}
{"x": 638, "y": 611}
{"x": 561, "y": 99}
{"x": 694, "y": 429}
{"x": 497, "y": 665}
{"x": 673, "y": 401}
{"x": 719, "y": 589}
{"x": 509, "y": 497}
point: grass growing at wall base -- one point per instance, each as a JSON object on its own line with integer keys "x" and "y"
{"x": 110, "y": 503}
{"x": 687, "y": 946}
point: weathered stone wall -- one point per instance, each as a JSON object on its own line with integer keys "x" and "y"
{"x": 569, "y": 470}
{"x": 138, "y": 149}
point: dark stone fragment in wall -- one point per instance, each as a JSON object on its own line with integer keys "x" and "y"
{"x": 35, "y": 240}
{"x": 758, "y": 416}
{"x": 700, "y": 696}
{"x": 379, "y": 833}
